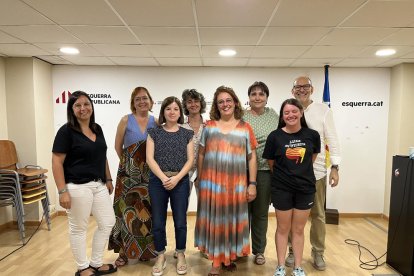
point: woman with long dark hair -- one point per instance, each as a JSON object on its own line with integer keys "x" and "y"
{"x": 291, "y": 150}
{"x": 84, "y": 183}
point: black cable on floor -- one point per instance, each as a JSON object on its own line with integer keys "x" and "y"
{"x": 370, "y": 265}
{"x": 25, "y": 243}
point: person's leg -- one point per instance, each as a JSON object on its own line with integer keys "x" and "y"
{"x": 105, "y": 218}
{"x": 317, "y": 230}
{"x": 299, "y": 219}
{"x": 259, "y": 210}
{"x": 78, "y": 218}
{"x": 179, "y": 204}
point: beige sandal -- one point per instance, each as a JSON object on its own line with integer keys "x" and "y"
{"x": 159, "y": 266}
{"x": 181, "y": 264}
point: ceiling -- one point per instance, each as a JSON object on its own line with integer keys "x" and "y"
{"x": 265, "y": 33}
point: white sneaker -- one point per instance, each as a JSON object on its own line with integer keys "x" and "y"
{"x": 280, "y": 271}
{"x": 298, "y": 272}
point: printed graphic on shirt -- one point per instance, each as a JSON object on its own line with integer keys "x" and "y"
{"x": 296, "y": 150}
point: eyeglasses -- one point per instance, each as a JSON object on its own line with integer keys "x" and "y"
{"x": 305, "y": 87}
{"x": 225, "y": 102}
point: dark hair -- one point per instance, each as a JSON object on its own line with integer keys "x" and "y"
{"x": 258, "y": 84}
{"x": 167, "y": 101}
{"x": 134, "y": 93}
{"x": 238, "y": 110}
{"x": 296, "y": 103}
{"x": 195, "y": 95}
{"x": 72, "y": 120}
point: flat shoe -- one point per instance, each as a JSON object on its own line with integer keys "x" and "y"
{"x": 110, "y": 270}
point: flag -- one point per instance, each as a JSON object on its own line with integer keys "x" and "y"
{"x": 327, "y": 100}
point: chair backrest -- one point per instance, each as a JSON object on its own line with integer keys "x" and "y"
{"x": 8, "y": 155}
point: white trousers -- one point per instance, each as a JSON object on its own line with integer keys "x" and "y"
{"x": 92, "y": 197}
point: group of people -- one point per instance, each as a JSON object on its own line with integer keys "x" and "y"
{"x": 239, "y": 162}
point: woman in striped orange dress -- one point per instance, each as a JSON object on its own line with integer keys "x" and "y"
{"x": 227, "y": 148}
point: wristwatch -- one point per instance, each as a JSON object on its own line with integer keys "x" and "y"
{"x": 335, "y": 167}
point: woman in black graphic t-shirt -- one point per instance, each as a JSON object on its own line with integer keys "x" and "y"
{"x": 291, "y": 150}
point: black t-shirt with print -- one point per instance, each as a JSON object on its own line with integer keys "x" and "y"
{"x": 85, "y": 160}
{"x": 292, "y": 153}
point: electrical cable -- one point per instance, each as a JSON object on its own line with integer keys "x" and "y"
{"x": 25, "y": 243}
{"x": 368, "y": 265}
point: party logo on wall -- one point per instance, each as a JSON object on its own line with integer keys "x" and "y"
{"x": 98, "y": 98}
{"x": 64, "y": 97}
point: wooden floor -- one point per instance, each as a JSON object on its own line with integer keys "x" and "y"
{"x": 48, "y": 253}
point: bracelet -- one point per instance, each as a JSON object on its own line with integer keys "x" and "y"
{"x": 64, "y": 190}
{"x": 253, "y": 183}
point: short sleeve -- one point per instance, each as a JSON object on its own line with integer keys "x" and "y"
{"x": 63, "y": 140}
{"x": 269, "y": 149}
{"x": 316, "y": 142}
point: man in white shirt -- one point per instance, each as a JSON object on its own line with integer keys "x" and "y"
{"x": 318, "y": 117}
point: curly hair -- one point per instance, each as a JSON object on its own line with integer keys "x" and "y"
{"x": 238, "y": 110}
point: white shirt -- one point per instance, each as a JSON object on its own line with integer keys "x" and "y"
{"x": 320, "y": 118}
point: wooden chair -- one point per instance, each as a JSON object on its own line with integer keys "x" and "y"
{"x": 21, "y": 186}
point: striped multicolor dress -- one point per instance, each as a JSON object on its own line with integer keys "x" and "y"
{"x": 222, "y": 227}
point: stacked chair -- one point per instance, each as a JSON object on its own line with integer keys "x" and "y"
{"x": 21, "y": 186}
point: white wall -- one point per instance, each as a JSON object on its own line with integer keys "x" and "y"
{"x": 362, "y": 129}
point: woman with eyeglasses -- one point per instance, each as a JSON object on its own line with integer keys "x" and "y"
{"x": 227, "y": 148}
{"x": 84, "y": 183}
{"x": 170, "y": 157}
{"x": 263, "y": 121}
{"x": 131, "y": 236}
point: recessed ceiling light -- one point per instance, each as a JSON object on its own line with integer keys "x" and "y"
{"x": 227, "y": 53}
{"x": 385, "y": 52}
{"x": 69, "y": 50}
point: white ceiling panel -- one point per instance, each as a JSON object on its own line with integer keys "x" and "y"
{"x": 5, "y": 38}
{"x": 230, "y": 36}
{"x": 383, "y": 14}
{"x": 314, "y": 62}
{"x": 369, "y": 52}
{"x": 152, "y": 13}
{"x": 21, "y": 50}
{"x": 54, "y": 48}
{"x": 77, "y": 60}
{"x": 293, "y": 35}
{"x": 77, "y": 12}
{"x": 278, "y": 51}
{"x": 14, "y": 12}
{"x": 222, "y": 13}
{"x": 402, "y": 37}
{"x": 269, "y": 62}
{"x": 332, "y": 51}
{"x": 174, "y": 51}
{"x": 40, "y": 33}
{"x": 356, "y": 36}
{"x": 134, "y": 61}
{"x": 212, "y": 51}
{"x": 313, "y": 13}
{"x": 180, "y": 61}
{"x": 227, "y": 62}
{"x": 102, "y": 34}
{"x": 165, "y": 35}
{"x": 115, "y": 50}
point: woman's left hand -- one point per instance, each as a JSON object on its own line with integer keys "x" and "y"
{"x": 110, "y": 187}
{"x": 251, "y": 192}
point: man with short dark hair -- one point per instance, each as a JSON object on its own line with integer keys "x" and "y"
{"x": 318, "y": 117}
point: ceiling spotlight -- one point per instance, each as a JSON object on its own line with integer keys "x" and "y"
{"x": 385, "y": 52}
{"x": 69, "y": 50}
{"x": 227, "y": 53}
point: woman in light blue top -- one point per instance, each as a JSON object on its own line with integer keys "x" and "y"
{"x": 131, "y": 236}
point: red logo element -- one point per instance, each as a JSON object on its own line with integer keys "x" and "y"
{"x": 64, "y": 97}
{"x": 296, "y": 154}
